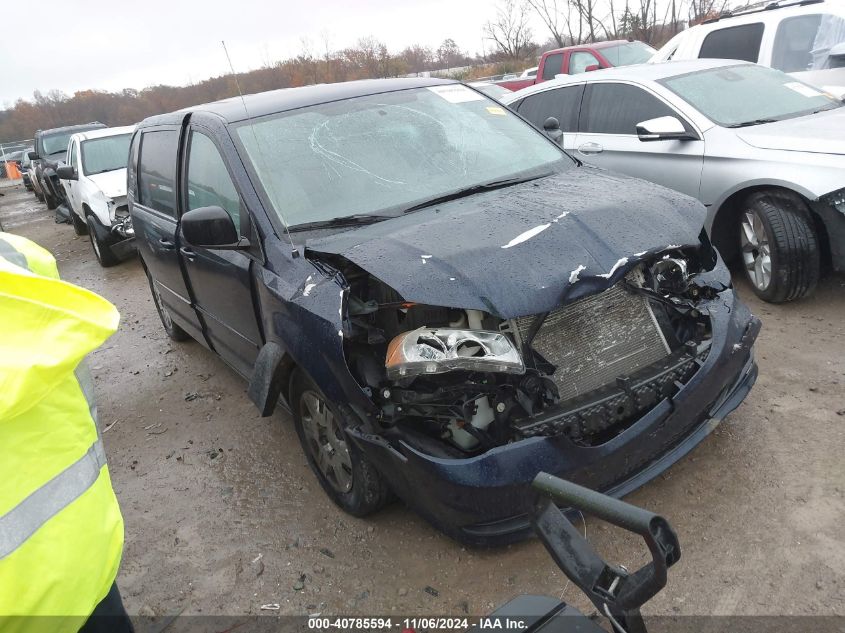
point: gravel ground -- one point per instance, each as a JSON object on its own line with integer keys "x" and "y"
{"x": 223, "y": 516}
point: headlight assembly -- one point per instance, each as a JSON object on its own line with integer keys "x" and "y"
{"x": 670, "y": 275}
{"x": 440, "y": 350}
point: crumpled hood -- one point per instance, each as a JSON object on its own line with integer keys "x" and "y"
{"x": 515, "y": 251}
{"x": 822, "y": 133}
{"x": 111, "y": 183}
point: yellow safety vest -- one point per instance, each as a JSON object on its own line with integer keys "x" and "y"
{"x": 61, "y": 533}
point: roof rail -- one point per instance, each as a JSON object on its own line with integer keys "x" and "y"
{"x": 755, "y": 8}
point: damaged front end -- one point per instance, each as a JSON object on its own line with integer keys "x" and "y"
{"x": 606, "y": 390}
{"x": 457, "y": 382}
{"x": 545, "y": 341}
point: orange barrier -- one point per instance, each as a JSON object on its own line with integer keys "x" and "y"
{"x": 12, "y": 171}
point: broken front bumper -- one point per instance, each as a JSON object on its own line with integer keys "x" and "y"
{"x": 484, "y": 500}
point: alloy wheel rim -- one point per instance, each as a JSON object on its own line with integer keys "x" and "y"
{"x": 325, "y": 441}
{"x": 756, "y": 251}
{"x": 94, "y": 243}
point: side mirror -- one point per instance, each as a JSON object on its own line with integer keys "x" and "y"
{"x": 552, "y": 129}
{"x": 211, "y": 227}
{"x": 665, "y": 128}
{"x": 32, "y": 155}
{"x": 837, "y": 50}
{"x": 591, "y": 68}
{"x": 66, "y": 172}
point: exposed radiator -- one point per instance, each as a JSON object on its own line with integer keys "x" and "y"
{"x": 597, "y": 339}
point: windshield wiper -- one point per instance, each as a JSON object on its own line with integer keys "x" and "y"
{"x": 468, "y": 191}
{"x": 360, "y": 219}
{"x": 754, "y": 122}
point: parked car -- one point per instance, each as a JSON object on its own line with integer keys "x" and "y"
{"x": 805, "y": 39}
{"x": 490, "y": 89}
{"x": 49, "y": 154}
{"x": 445, "y": 300}
{"x": 529, "y": 73}
{"x": 764, "y": 153}
{"x": 25, "y": 164}
{"x": 94, "y": 181}
{"x": 574, "y": 60}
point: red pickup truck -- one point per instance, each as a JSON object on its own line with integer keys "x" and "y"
{"x": 572, "y": 60}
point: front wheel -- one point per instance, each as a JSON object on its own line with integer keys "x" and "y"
{"x": 344, "y": 472}
{"x": 780, "y": 249}
{"x": 102, "y": 250}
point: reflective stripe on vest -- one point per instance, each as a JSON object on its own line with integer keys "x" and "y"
{"x": 22, "y": 521}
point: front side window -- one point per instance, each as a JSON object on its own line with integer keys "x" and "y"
{"x": 55, "y": 143}
{"x": 735, "y": 42}
{"x": 618, "y": 108}
{"x": 381, "y": 154}
{"x": 209, "y": 183}
{"x": 580, "y": 60}
{"x": 157, "y": 170}
{"x": 804, "y": 42}
{"x": 628, "y": 53}
{"x": 73, "y": 155}
{"x": 100, "y": 155}
{"x": 560, "y": 103}
{"x": 552, "y": 66}
{"x": 748, "y": 95}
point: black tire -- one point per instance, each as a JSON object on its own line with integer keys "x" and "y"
{"x": 50, "y": 201}
{"x": 79, "y": 226}
{"x": 368, "y": 491}
{"x": 790, "y": 241}
{"x": 102, "y": 249}
{"x": 175, "y": 332}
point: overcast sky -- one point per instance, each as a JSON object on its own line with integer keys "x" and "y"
{"x": 106, "y": 45}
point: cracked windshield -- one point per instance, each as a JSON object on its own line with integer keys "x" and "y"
{"x": 390, "y": 151}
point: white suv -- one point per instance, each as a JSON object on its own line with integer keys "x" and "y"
{"x": 805, "y": 38}
{"x": 94, "y": 180}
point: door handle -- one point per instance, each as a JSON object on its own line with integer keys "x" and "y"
{"x": 167, "y": 244}
{"x": 588, "y": 149}
{"x": 188, "y": 253}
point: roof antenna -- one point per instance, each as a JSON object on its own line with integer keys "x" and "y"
{"x": 294, "y": 251}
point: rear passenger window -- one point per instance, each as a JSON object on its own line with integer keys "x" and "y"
{"x": 735, "y": 42}
{"x": 552, "y": 66}
{"x": 561, "y": 103}
{"x": 617, "y": 108}
{"x": 157, "y": 171}
{"x": 209, "y": 183}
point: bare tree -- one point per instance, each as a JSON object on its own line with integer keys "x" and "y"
{"x": 555, "y": 20}
{"x": 448, "y": 53}
{"x": 417, "y": 58}
{"x": 510, "y": 30}
{"x": 700, "y": 10}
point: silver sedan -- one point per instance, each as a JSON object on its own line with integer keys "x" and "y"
{"x": 763, "y": 151}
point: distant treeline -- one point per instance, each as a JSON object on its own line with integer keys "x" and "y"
{"x": 567, "y": 22}
{"x": 368, "y": 59}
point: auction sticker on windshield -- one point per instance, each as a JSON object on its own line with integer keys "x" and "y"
{"x": 456, "y": 93}
{"x": 803, "y": 89}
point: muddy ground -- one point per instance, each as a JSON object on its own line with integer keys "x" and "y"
{"x": 223, "y": 515}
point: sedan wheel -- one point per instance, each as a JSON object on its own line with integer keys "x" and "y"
{"x": 779, "y": 246}
{"x": 326, "y": 441}
{"x": 756, "y": 253}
